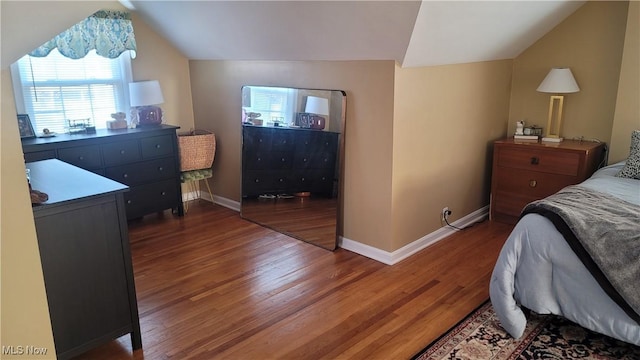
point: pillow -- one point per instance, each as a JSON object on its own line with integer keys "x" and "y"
{"x": 632, "y": 167}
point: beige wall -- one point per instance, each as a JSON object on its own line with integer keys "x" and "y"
{"x": 24, "y": 310}
{"x": 25, "y": 313}
{"x": 158, "y": 60}
{"x": 627, "y": 114}
{"x": 444, "y": 122}
{"x": 369, "y": 86}
{"x": 590, "y": 42}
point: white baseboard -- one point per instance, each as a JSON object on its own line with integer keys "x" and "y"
{"x": 222, "y": 201}
{"x": 371, "y": 252}
{"x": 404, "y": 252}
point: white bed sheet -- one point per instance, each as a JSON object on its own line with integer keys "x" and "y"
{"x": 538, "y": 270}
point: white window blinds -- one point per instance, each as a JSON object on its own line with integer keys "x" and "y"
{"x": 55, "y": 89}
{"x": 275, "y": 104}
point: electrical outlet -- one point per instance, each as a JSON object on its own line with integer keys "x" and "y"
{"x": 445, "y": 213}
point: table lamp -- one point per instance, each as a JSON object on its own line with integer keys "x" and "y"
{"x": 144, "y": 97}
{"x": 317, "y": 106}
{"x": 557, "y": 81}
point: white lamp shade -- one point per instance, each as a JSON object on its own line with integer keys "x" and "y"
{"x": 317, "y": 105}
{"x": 559, "y": 81}
{"x": 143, "y": 93}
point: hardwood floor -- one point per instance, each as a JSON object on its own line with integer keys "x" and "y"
{"x": 213, "y": 286}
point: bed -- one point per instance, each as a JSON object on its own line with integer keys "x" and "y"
{"x": 538, "y": 270}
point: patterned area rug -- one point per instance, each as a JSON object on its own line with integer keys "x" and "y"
{"x": 480, "y": 337}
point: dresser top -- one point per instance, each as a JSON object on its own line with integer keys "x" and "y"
{"x": 63, "y": 182}
{"x": 100, "y": 134}
{"x": 565, "y": 144}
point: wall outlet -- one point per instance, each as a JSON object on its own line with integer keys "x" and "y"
{"x": 445, "y": 213}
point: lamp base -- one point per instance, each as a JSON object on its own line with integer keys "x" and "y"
{"x": 149, "y": 115}
{"x": 553, "y": 140}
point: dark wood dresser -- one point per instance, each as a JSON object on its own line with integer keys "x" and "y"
{"x": 86, "y": 260}
{"x": 524, "y": 171}
{"x": 285, "y": 160}
{"x": 146, "y": 159}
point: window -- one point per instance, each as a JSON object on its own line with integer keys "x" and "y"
{"x": 55, "y": 89}
{"x": 275, "y": 104}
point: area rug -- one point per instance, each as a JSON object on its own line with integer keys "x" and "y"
{"x": 480, "y": 337}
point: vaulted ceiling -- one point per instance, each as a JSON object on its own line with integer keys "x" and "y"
{"x": 413, "y": 33}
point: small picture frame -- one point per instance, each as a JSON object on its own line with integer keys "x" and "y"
{"x": 25, "y": 127}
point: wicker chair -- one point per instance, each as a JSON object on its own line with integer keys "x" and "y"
{"x": 197, "y": 151}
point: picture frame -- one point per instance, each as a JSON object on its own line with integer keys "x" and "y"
{"x": 25, "y": 127}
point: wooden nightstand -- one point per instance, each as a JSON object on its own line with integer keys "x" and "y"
{"x": 524, "y": 171}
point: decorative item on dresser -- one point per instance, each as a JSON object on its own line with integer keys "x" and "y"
{"x": 528, "y": 171}
{"x": 146, "y": 159}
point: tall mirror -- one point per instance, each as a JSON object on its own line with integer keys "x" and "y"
{"x": 292, "y": 155}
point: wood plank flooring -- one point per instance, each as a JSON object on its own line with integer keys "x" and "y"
{"x": 214, "y": 286}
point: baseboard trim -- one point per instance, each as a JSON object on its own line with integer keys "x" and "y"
{"x": 394, "y": 257}
{"x": 385, "y": 257}
{"x": 222, "y": 201}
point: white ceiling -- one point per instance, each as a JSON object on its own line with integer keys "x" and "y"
{"x": 413, "y": 33}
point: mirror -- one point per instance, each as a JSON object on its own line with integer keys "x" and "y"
{"x": 292, "y": 156}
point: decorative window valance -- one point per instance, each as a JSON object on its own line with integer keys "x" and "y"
{"x": 110, "y": 33}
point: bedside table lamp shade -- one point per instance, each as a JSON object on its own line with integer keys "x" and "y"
{"x": 557, "y": 81}
{"x": 145, "y": 96}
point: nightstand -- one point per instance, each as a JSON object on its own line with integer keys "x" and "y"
{"x": 524, "y": 171}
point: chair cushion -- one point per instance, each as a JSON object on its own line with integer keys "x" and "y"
{"x": 194, "y": 175}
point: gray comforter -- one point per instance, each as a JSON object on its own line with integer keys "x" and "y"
{"x": 604, "y": 232}
{"x": 538, "y": 270}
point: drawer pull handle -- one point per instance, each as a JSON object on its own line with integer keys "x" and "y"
{"x": 163, "y": 193}
{"x": 535, "y": 161}
{"x": 125, "y": 175}
{"x": 157, "y": 146}
{"x": 160, "y": 168}
{"x": 121, "y": 152}
{"x": 128, "y": 202}
{"x": 257, "y": 180}
{"x": 81, "y": 158}
{"x": 533, "y": 183}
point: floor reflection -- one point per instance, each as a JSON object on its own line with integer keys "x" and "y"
{"x": 310, "y": 219}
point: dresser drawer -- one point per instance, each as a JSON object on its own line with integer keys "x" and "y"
{"x": 39, "y": 155}
{"x": 86, "y": 157}
{"x": 531, "y": 184}
{"x": 156, "y": 146}
{"x": 139, "y": 173}
{"x": 555, "y": 162}
{"x": 137, "y": 200}
{"x": 121, "y": 152}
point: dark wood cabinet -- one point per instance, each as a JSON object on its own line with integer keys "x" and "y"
{"x": 286, "y": 161}
{"x": 146, "y": 159}
{"x": 86, "y": 261}
{"x": 524, "y": 171}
